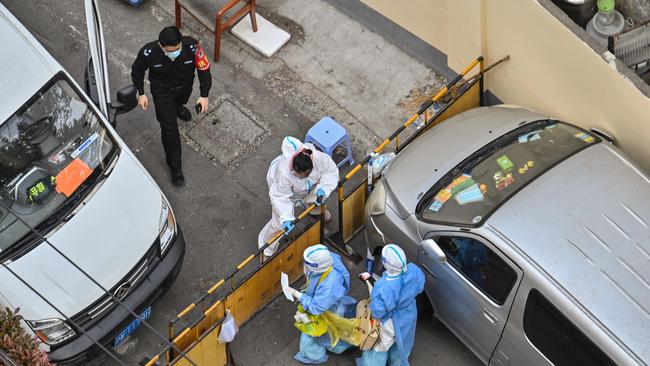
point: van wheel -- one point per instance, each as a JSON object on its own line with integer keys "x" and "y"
{"x": 425, "y": 310}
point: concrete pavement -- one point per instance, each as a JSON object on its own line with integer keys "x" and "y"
{"x": 332, "y": 66}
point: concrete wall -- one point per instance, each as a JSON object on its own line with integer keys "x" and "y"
{"x": 432, "y": 20}
{"x": 551, "y": 69}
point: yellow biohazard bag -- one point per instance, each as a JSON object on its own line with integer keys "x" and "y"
{"x": 361, "y": 331}
{"x": 316, "y": 326}
{"x": 340, "y": 328}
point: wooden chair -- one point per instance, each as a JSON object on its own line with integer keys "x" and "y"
{"x": 221, "y": 23}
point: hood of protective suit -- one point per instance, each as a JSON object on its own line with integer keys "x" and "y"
{"x": 292, "y": 146}
{"x": 394, "y": 260}
{"x": 317, "y": 258}
{"x": 339, "y": 268}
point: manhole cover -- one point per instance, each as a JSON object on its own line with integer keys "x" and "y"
{"x": 226, "y": 133}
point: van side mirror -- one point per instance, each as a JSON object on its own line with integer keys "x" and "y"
{"x": 433, "y": 250}
{"x": 127, "y": 99}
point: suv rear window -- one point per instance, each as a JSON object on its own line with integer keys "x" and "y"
{"x": 475, "y": 188}
{"x": 559, "y": 340}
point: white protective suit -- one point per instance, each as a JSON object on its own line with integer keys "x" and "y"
{"x": 286, "y": 190}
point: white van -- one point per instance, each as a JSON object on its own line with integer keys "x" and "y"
{"x": 66, "y": 175}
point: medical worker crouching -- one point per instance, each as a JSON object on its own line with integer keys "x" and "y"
{"x": 393, "y": 297}
{"x": 328, "y": 282}
{"x": 301, "y": 175}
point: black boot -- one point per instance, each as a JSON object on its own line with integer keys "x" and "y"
{"x": 183, "y": 113}
{"x": 178, "y": 179}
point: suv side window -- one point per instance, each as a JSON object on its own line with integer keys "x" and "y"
{"x": 480, "y": 265}
{"x": 559, "y": 340}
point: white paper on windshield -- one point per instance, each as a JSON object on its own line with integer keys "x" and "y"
{"x": 84, "y": 145}
{"x": 284, "y": 281}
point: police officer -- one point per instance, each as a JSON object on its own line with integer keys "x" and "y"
{"x": 171, "y": 62}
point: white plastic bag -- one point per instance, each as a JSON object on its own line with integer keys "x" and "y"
{"x": 228, "y": 329}
{"x": 379, "y": 162}
{"x": 386, "y": 337}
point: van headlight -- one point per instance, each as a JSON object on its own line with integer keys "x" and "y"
{"x": 52, "y": 331}
{"x": 377, "y": 200}
{"x": 167, "y": 227}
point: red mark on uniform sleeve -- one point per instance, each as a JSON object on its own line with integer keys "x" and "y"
{"x": 200, "y": 60}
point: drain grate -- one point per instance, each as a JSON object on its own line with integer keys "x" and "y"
{"x": 227, "y": 133}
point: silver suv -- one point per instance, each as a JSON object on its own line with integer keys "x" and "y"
{"x": 533, "y": 234}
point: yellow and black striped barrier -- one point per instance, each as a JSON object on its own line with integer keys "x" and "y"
{"x": 243, "y": 299}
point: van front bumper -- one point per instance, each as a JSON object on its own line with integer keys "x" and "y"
{"x": 81, "y": 349}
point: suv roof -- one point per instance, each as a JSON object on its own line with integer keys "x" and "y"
{"x": 24, "y": 64}
{"x": 586, "y": 228}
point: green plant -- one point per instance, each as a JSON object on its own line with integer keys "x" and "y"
{"x": 19, "y": 345}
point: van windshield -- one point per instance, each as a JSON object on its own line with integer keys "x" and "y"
{"x": 52, "y": 150}
{"x": 484, "y": 181}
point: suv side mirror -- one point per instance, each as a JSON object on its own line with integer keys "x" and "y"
{"x": 433, "y": 250}
{"x": 127, "y": 99}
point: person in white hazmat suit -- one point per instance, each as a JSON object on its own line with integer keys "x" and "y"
{"x": 302, "y": 175}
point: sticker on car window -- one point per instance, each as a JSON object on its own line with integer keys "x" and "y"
{"x": 502, "y": 180}
{"x": 526, "y": 166}
{"x": 505, "y": 163}
{"x": 532, "y": 136}
{"x": 443, "y": 196}
{"x": 460, "y": 183}
{"x": 584, "y": 137}
{"x": 470, "y": 194}
{"x": 84, "y": 145}
{"x": 436, "y": 206}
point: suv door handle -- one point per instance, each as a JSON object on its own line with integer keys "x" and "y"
{"x": 429, "y": 271}
{"x": 490, "y": 317}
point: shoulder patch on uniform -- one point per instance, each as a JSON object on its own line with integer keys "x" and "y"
{"x": 200, "y": 60}
{"x": 146, "y": 51}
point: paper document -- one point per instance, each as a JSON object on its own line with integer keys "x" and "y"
{"x": 284, "y": 281}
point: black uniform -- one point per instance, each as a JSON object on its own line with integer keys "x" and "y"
{"x": 171, "y": 87}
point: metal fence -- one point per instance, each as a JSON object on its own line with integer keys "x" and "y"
{"x": 196, "y": 328}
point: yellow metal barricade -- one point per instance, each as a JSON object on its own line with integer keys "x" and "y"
{"x": 351, "y": 208}
{"x": 244, "y": 299}
{"x": 206, "y": 351}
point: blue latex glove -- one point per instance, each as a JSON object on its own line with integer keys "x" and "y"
{"x": 320, "y": 196}
{"x": 287, "y": 226}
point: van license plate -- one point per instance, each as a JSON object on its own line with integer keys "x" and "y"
{"x": 132, "y": 327}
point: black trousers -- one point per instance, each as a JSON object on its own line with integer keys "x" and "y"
{"x": 167, "y": 103}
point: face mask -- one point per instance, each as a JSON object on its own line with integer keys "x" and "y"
{"x": 172, "y": 55}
